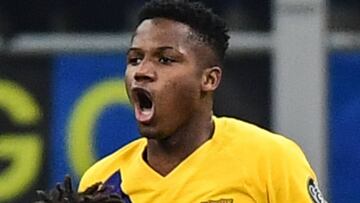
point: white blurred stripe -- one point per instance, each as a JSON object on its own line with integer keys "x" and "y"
{"x": 243, "y": 42}
{"x": 54, "y": 43}
{"x": 344, "y": 40}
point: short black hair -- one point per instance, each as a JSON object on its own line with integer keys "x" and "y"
{"x": 210, "y": 28}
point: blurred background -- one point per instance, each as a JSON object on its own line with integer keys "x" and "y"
{"x": 293, "y": 67}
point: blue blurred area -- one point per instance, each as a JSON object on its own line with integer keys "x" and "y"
{"x": 344, "y": 127}
{"x": 73, "y": 75}
{"x": 115, "y": 127}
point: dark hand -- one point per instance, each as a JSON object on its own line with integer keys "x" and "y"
{"x": 64, "y": 193}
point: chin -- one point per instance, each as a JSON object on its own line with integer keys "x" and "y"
{"x": 149, "y": 132}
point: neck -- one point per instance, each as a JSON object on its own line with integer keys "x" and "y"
{"x": 165, "y": 154}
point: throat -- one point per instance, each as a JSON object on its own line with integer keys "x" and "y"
{"x": 163, "y": 160}
{"x": 165, "y": 155}
{"x": 163, "y": 166}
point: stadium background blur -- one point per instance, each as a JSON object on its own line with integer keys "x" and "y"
{"x": 293, "y": 67}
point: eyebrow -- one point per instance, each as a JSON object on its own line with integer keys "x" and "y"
{"x": 132, "y": 49}
{"x": 158, "y": 49}
{"x": 165, "y": 48}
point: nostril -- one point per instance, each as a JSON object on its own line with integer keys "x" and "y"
{"x": 140, "y": 77}
{"x": 144, "y": 75}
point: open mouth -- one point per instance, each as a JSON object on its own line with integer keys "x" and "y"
{"x": 143, "y": 105}
{"x": 145, "y": 102}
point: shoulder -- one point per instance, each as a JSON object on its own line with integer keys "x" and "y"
{"x": 233, "y": 129}
{"x": 103, "y": 169}
{"x": 249, "y": 138}
{"x": 273, "y": 160}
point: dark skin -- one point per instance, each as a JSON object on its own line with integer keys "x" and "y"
{"x": 177, "y": 71}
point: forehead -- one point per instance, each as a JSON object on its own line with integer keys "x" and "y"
{"x": 160, "y": 32}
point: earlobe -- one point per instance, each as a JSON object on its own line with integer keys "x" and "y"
{"x": 211, "y": 78}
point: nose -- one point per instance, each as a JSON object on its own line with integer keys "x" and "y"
{"x": 145, "y": 73}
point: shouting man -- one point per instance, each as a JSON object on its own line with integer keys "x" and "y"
{"x": 186, "y": 154}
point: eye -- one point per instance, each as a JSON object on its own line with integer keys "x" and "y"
{"x": 134, "y": 61}
{"x": 166, "y": 60}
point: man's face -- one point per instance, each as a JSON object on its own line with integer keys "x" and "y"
{"x": 163, "y": 78}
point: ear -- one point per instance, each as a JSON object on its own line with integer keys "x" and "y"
{"x": 211, "y": 78}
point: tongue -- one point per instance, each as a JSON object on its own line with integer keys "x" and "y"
{"x": 144, "y": 116}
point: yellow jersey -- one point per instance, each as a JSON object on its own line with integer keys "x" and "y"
{"x": 241, "y": 163}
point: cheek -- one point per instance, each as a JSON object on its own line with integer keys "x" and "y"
{"x": 129, "y": 74}
{"x": 128, "y": 79}
{"x": 181, "y": 94}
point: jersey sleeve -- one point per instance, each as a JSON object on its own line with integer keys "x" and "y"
{"x": 291, "y": 178}
{"x": 88, "y": 179}
{"x": 98, "y": 173}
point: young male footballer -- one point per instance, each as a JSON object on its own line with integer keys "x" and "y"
{"x": 186, "y": 154}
